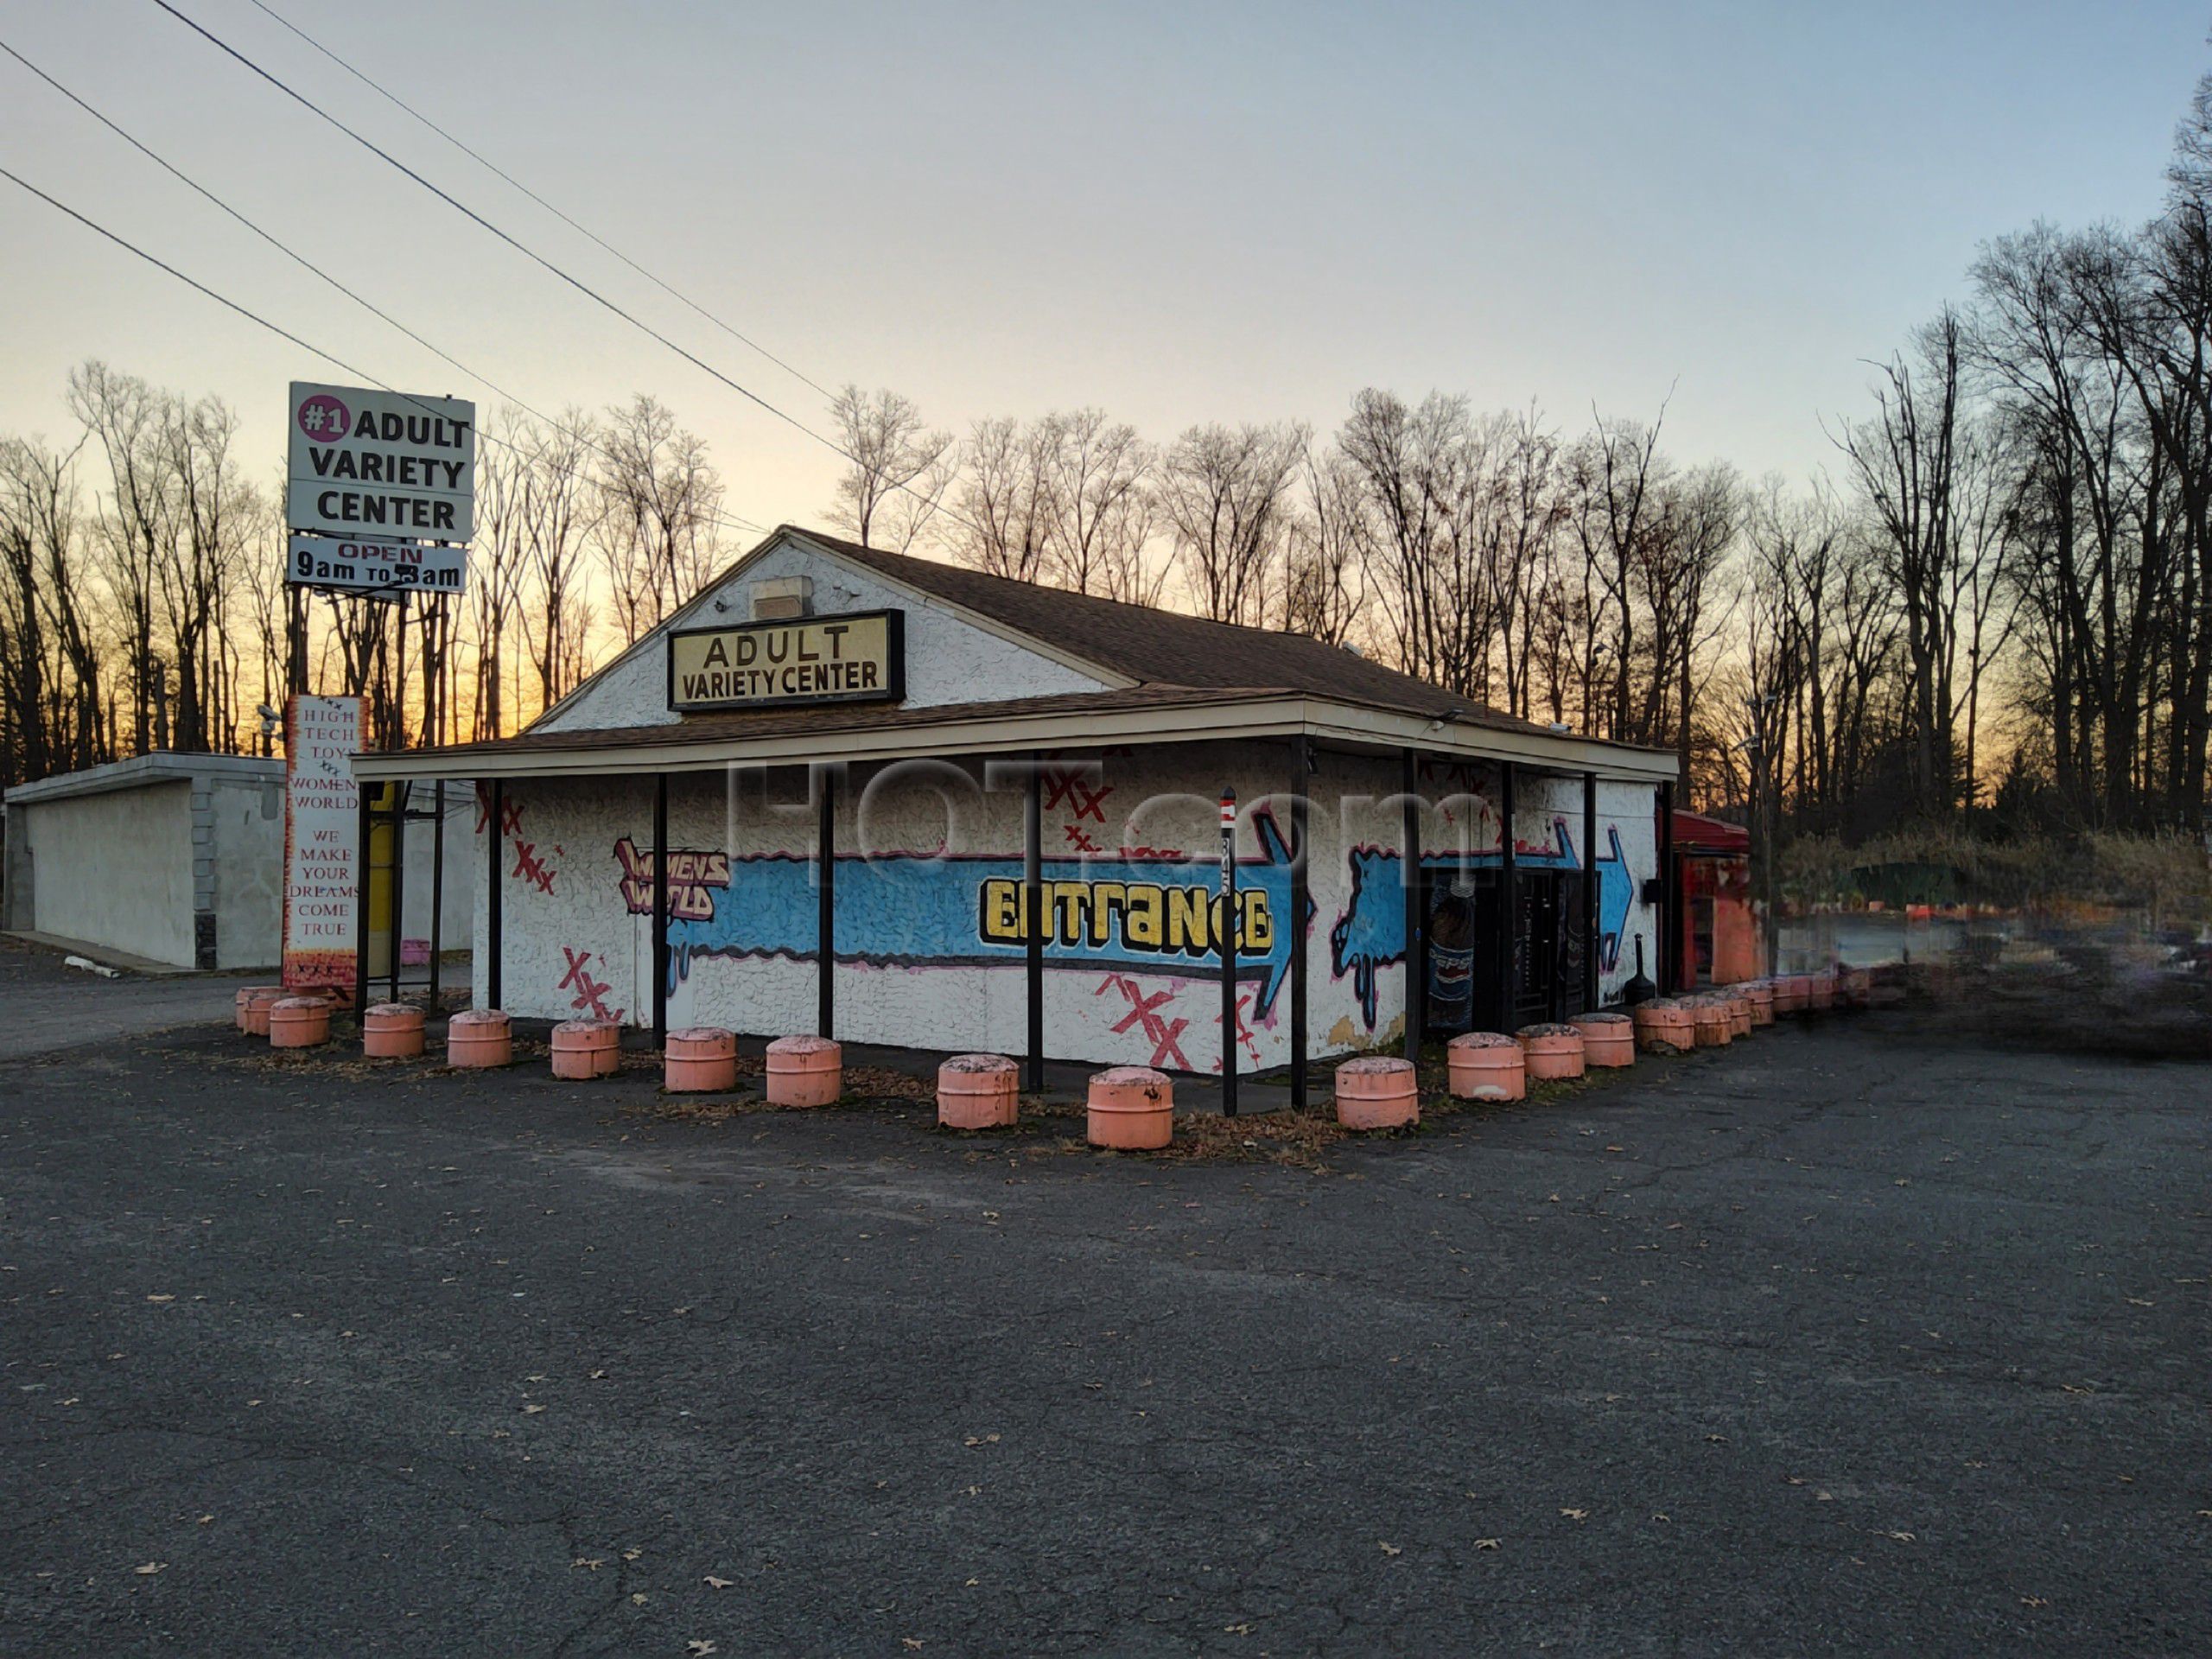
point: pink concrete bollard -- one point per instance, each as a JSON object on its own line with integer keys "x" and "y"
{"x": 392, "y": 1030}
{"x": 258, "y": 1001}
{"x": 805, "y": 1071}
{"x": 1608, "y": 1040}
{"x": 978, "y": 1092}
{"x": 479, "y": 1037}
{"x": 586, "y": 1048}
{"x": 1486, "y": 1065}
{"x": 1739, "y": 1014}
{"x": 245, "y": 995}
{"x": 1131, "y": 1109}
{"x": 1554, "y": 1051}
{"x": 1793, "y": 993}
{"x": 1761, "y": 992}
{"x": 699, "y": 1060}
{"x": 1823, "y": 996}
{"x": 1376, "y": 1092}
{"x": 1665, "y": 1026}
{"x": 298, "y": 1022}
{"x": 1715, "y": 1027}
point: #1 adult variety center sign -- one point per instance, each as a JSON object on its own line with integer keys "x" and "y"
{"x": 381, "y": 464}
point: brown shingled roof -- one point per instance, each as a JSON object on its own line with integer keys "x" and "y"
{"x": 1158, "y": 647}
{"x": 797, "y": 720}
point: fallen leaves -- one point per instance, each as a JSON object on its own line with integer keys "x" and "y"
{"x": 1576, "y": 1514}
{"x": 714, "y": 1583}
{"x": 1392, "y": 1549}
{"x": 150, "y": 1569}
{"x": 1487, "y": 1543}
{"x": 698, "y": 1647}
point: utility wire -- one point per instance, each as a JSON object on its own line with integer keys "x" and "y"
{"x": 539, "y": 259}
{"x": 259, "y": 321}
{"x": 529, "y": 253}
{"x": 485, "y": 161}
{"x": 314, "y": 270}
{"x": 158, "y": 264}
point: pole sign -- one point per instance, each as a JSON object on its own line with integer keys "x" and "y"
{"x": 323, "y": 833}
{"x": 368, "y": 463}
{"x": 375, "y": 567}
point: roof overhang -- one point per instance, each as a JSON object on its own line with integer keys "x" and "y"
{"x": 980, "y": 730}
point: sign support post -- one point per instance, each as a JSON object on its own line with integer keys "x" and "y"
{"x": 1229, "y": 935}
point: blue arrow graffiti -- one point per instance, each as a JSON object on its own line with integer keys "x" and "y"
{"x": 929, "y": 912}
{"x": 1372, "y": 932}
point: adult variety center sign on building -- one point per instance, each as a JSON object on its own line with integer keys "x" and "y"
{"x": 381, "y": 464}
{"x": 857, "y": 656}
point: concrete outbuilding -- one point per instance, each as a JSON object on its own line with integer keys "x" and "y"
{"x": 178, "y": 860}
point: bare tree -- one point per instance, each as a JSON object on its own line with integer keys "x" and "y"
{"x": 558, "y": 511}
{"x": 1008, "y": 496}
{"x": 1103, "y": 508}
{"x": 1226, "y": 494}
{"x": 897, "y": 471}
{"x": 657, "y": 521}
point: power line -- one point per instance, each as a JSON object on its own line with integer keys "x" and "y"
{"x": 529, "y": 253}
{"x": 281, "y": 333}
{"x": 158, "y": 264}
{"x": 316, "y": 271}
{"x": 539, "y": 259}
{"x": 582, "y": 230}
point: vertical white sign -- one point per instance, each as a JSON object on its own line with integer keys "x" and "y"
{"x": 322, "y": 836}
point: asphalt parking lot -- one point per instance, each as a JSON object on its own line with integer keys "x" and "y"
{"x": 1842, "y": 1341}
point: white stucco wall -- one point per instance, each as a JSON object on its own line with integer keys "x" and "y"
{"x": 142, "y": 856}
{"x": 248, "y": 826}
{"x": 918, "y": 964}
{"x": 114, "y": 869}
{"x": 948, "y": 660}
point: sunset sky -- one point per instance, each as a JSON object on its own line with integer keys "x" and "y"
{"x": 1181, "y": 213}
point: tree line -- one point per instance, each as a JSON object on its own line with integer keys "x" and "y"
{"x": 1993, "y": 608}
{"x": 143, "y": 605}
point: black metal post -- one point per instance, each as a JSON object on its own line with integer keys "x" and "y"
{"x": 1409, "y": 872}
{"x": 1669, "y": 946}
{"x": 1227, "y": 937}
{"x": 496, "y": 841}
{"x": 1033, "y": 900}
{"x": 1509, "y": 908}
{"x": 825, "y": 865}
{"x": 361, "y": 886}
{"x": 437, "y": 893}
{"x": 1301, "y": 767}
{"x": 398, "y": 878}
{"x": 660, "y": 911}
{"x": 1590, "y": 908}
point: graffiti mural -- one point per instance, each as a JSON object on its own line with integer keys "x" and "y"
{"x": 1372, "y": 933}
{"x": 1133, "y": 913}
{"x": 693, "y": 879}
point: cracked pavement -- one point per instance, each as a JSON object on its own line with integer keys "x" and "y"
{"x": 1843, "y": 1340}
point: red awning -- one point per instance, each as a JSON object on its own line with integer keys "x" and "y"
{"x": 1715, "y": 837}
